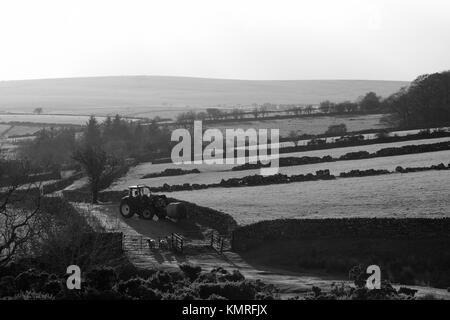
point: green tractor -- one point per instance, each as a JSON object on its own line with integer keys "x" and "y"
{"x": 141, "y": 201}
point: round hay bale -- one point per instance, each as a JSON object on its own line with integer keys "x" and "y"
{"x": 176, "y": 210}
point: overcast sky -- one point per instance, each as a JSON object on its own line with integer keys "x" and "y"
{"x": 240, "y": 39}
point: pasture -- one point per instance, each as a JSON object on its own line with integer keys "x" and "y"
{"x": 214, "y": 173}
{"x": 421, "y": 194}
{"x": 56, "y": 119}
{"x": 316, "y": 125}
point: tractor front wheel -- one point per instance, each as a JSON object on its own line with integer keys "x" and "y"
{"x": 125, "y": 210}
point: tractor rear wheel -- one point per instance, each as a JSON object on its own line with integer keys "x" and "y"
{"x": 147, "y": 214}
{"x": 125, "y": 210}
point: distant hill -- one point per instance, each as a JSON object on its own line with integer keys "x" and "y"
{"x": 151, "y": 95}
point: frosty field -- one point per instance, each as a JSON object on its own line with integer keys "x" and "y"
{"x": 214, "y": 173}
{"x": 421, "y": 194}
{"x": 316, "y": 125}
{"x": 47, "y": 118}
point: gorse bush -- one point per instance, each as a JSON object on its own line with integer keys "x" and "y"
{"x": 242, "y": 290}
{"x": 189, "y": 283}
{"x": 102, "y": 278}
{"x": 192, "y": 272}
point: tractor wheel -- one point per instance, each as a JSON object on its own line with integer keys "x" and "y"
{"x": 147, "y": 214}
{"x": 125, "y": 210}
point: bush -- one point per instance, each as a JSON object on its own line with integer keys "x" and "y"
{"x": 138, "y": 288}
{"x": 192, "y": 272}
{"x": 102, "y": 278}
{"x": 7, "y": 286}
{"x": 243, "y": 290}
{"x": 162, "y": 281}
{"x": 31, "y": 279}
{"x": 53, "y": 287}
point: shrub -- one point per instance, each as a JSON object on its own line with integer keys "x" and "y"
{"x": 192, "y": 272}
{"x": 53, "y": 287}
{"x": 358, "y": 275}
{"x": 231, "y": 290}
{"x": 101, "y": 278}
{"x": 162, "y": 281}
{"x": 30, "y": 279}
{"x": 138, "y": 288}
{"x": 7, "y": 286}
{"x": 234, "y": 276}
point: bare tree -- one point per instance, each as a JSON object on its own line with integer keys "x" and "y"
{"x": 18, "y": 223}
{"x": 255, "y": 112}
{"x": 264, "y": 110}
{"x": 94, "y": 162}
{"x": 309, "y": 109}
{"x": 237, "y": 113}
{"x": 38, "y": 110}
{"x": 297, "y": 110}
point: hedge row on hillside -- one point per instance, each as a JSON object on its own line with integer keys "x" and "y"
{"x": 259, "y": 180}
{"x": 170, "y": 172}
{"x": 358, "y": 155}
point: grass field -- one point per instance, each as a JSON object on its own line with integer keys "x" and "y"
{"x": 389, "y": 163}
{"x": 316, "y": 125}
{"x": 47, "y": 118}
{"x": 3, "y": 128}
{"x": 421, "y": 194}
{"x": 214, "y": 173}
{"x": 23, "y": 130}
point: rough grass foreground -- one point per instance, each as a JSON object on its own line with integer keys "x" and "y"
{"x": 188, "y": 283}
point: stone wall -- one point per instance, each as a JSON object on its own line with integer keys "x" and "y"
{"x": 251, "y": 236}
{"x": 219, "y": 221}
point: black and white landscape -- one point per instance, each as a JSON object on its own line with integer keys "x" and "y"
{"x": 93, "y": 204}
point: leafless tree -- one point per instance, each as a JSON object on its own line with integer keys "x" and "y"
{"x": 94, "y": 161}
{"x": 19, "y": 223}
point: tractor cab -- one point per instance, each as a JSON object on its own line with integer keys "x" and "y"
{"x": 138, "y": 191}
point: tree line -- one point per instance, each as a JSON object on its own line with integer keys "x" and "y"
{"x": 424, "y": 103}
{"x": 369, "y": 103}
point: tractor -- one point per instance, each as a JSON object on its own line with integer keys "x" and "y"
{"x": 141, "y": 201}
